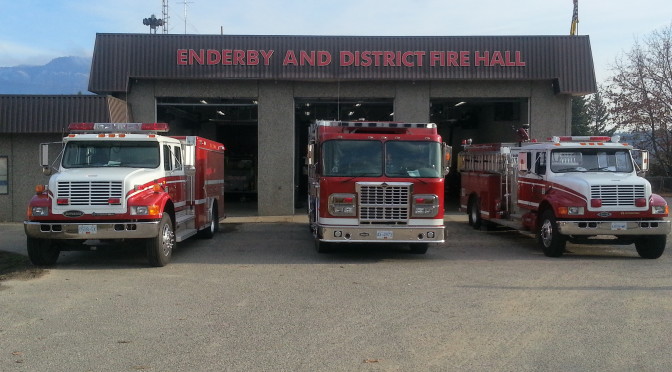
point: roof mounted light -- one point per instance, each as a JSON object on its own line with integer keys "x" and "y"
{"x": 118, "y": 127}
{"x": 557, "y": 139}
{"x": 374, "y": 124}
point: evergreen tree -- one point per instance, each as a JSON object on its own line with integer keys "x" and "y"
{"x": 580, "y": 117}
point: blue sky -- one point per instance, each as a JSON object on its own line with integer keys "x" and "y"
{"x": 33, "y": 32}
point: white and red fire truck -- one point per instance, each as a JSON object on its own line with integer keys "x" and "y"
{"x": 375, "y": 182}
{"x": 577, "y": 189}
{"x": 122, "y": 181}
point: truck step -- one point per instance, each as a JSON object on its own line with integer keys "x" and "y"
{"x": 183, "y": 218}
{"x": 184, "y": 234}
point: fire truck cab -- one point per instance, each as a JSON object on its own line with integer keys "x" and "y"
{"x": 376, "y": 182}
{"x": 120, "y": 181}
{"x": 576, "y": 189}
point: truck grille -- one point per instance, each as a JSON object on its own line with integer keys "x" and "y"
{"x": 384, "y": 203}
{"x": 617, "y": 195}
{"x": 90, "y": 193}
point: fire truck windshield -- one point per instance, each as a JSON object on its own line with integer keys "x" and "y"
{"x": 403, "y": 159}
{"x": 353, "y": 158}
{"x": 591, "y": 160}
{"x": 89, "y": 154}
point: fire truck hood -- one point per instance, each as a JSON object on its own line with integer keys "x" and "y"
{"x": 130, "y": 176}
{"x": 582, "y": 182}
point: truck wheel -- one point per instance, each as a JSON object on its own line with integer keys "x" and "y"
{"x": 160, "y": 248}
{"x": 551, "y": 241}
{"x": 651, "y": 247}
{"x": 213, "y": 227}
{"x": 42, "y": 252}
{"x": 475, "y": 213}
{"x": 419, "y": 248}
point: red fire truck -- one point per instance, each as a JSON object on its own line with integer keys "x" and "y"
{"x": 576, "y": 189}
{"x": 122, "y": 181}
{"x": 374, "y": 182}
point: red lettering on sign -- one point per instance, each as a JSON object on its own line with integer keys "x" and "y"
{"x": 226, "y": 56}
{"x": 252, "y": 57}
{"x": 238, "y": 57}
{"x": 214, "y": 57}
{"x": 346, "y": 58}
{"x": 478, "y": 58}
{"x": 465, "y": 58}
{"x": 196, "y": 56}
{"x": 266, "y": 55}
{"x": 290, "y": 59}
{"x": 181, "y": 57}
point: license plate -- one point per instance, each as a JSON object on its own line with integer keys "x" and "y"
{"x": 619, "y": 225}
{"x": 384, "y": 235}
{"x": 87, "y": 229}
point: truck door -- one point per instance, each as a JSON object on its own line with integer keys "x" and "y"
{"x": 531, "y": 182}
{"x": 175, "y": 178}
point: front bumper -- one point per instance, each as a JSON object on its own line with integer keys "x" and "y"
{"x": 602, "y": 227}
{"x": 381, "y": 234}
{"x": 118, "y": 230}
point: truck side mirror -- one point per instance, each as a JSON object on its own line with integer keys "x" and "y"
{"x": 522, "y": 161}
{"x": 447, "y": 155}
{"x": 310, "y": 160}
{"x": 645, "y": 160}
{"x": 44, "y": 159}
{"x": 189, "y": 156}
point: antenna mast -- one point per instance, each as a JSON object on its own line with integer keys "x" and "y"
{"x": 185, "y": 2}
{"x": 164, "y": 13}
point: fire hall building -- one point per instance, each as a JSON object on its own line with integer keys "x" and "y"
{"x": 258, "y": 94}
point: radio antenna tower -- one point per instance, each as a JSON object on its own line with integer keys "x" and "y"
{"x": 185, "y": 2}
{"x": 164, "y": 13}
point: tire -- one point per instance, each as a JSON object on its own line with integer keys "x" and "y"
{"x": 419, "y": 248}
{"x": 210, "y": 231}
{"x": 552, "y": 243}
{"x": 42, "y": 252}
{"x": 160, "y": 248}
{"x": 651, "y": 247}
{"x": 474, "y": 211}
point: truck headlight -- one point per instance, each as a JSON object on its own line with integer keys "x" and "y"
{"x": 571, "y": 211}
{"x": 425, "y": 206}
{"x": 342, "y": 205}
{"x": 140, "y": 210}
{"x": 145, "y": 210}
{"x": 659, "y": 209}
{"x": 575, "y": 211}
{"x": 39, "y": 211}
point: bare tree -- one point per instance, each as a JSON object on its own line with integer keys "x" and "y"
{"x": 641, "y": 95}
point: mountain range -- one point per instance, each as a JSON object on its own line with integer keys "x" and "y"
{"x": 63, "y": 75}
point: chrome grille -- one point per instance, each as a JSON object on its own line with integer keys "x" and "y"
{"x": 384, "y": 202}
{"x": 617, "y": 195}
{"x": 89, "y": 193}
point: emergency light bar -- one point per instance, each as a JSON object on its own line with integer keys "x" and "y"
{"x": 118, "y": 127}
{"x": 374, "y": 124}
{"x": 557, "y": 139}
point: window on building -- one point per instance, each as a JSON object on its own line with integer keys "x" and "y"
{"x": 4, "y": 176}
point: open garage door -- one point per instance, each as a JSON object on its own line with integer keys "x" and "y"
{"x": 232, "y": 122}
{"x": 308, "y": 110}
{"x": 481, "y": 119}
